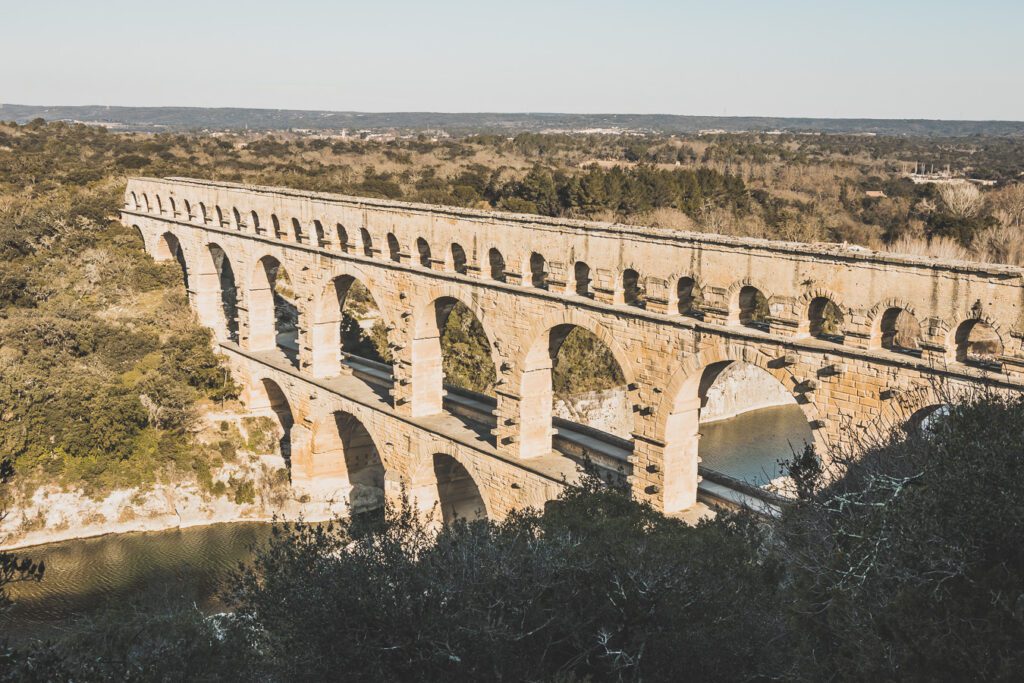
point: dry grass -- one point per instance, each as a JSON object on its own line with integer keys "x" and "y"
{"x": 936, "y": 247}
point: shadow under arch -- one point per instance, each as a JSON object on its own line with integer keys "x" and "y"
{"x": 344, "y": 462}
{"x": 228, "y": 287}
{"x": 446, "y": 488}
{"x": 536, "y": 382}
{"x": 267, "y": 398}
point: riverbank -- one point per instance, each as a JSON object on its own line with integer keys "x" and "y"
{"x": 247, "y": 481}
{"x": 53, "y": 515}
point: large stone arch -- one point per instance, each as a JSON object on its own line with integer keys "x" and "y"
{"x": 678, "y": 416}
{"x": 344, "y": 464}
{"x": 442, "y": 485}
{"x": 201, "y": 279}
{"x": 429, "y": 318}
{"x": 533, "y": 374}
{"x": 325, "y": 330}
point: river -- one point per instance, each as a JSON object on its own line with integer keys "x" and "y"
{"x": 188, "y": 565}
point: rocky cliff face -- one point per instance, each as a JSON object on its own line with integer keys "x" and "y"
{"x": 252, "y": 487}
{"x": 742, "y": 388}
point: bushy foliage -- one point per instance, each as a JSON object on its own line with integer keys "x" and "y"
{"x": 908, "y": 566}
{"x": 911, "y": 563}
{"x": 101, "y": 364}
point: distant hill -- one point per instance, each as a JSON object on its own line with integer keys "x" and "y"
{"x": 196, "y": 118}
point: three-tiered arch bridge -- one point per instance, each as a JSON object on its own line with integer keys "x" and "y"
{"x": 861, "y": 340}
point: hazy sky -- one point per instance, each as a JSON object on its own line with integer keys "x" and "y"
{"x": 898, "y": 58}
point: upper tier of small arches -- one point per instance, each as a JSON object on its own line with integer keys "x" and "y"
{"x": 891, "y": 324}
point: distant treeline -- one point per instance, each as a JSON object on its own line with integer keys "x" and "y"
{"x": 228, "y": 118}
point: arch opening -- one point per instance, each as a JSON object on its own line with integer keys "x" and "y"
{"x": 364, "y": 236}
{"x": 689, "y": 298}
{"x": 220, "y": 217}
{"x": 753, "y": 308}
{"x": 497, "y": 265}
{"x": 297, "y": 231}
{"x": 203, "y": 213}
{"x": 749, "y": 422}
{"x": 825, "y": 320}
{"x": 740, "y": 421}
{"x": 254, "y": 218}
{"x": 581, "y": 274}
{"x": 188, "y": 211}
{"x": 228, "y": 293}
{"x": 394, "y": 250}
{"x": 458, "y": 496}
{"x": 459, "y": 264}
{"x": 350, "y": 331}
{"x": 269, "y": 400}
{"x": 423, "y": 249}
{"x": 276, "y": 223}
{"x": 453, "y": 367}
{"x": 321, "y": 234}
{"x": 928, "y": 420}
{"x": 273, "y": 311}
{"x": 174, "y": 206}
{"x": 978, "y": 344}
{"x": 237, "y": 216}
{"x": 169, "y": 248}
{"x": 900, "y": 332}
{"x": 538, "y": 274}
{"x": 346, "y": 460}
{"x": 573, "y": 384}
{"x": 342, "y": 234}
{"x": 632, "y": 290}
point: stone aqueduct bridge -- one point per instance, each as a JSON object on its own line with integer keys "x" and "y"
{"x": 529, "y": 280}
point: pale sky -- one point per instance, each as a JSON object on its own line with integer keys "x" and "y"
{"x": 892, "y": 59}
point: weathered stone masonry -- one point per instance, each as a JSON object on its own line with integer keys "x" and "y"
{"x": 528, "y": 280}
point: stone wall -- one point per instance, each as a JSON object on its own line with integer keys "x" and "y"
{"x": 847, "y": 384}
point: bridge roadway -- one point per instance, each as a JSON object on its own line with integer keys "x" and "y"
{"x": 862, "y": 341}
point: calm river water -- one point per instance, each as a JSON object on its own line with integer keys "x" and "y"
{"x": 188, "y": 565}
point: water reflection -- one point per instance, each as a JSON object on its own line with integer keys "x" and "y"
{"x": 83, "y": 576}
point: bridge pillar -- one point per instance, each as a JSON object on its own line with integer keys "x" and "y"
{"x": 205, "y": 297}
{"x": 604, "y": 286}
{"x": 659, "y": 297}
{"x": 506, "y": 430}
{"x": 535, "y": 400}
{"x": 665, "y": 473}
{"x": 261, "y": 322}
{"x": 558, "y": 278}
{"x": 427, "y": 397}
